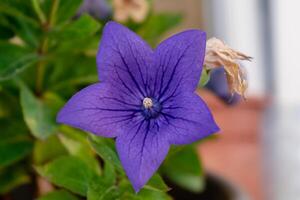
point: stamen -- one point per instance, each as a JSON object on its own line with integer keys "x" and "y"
{"x": 147, "y": 102}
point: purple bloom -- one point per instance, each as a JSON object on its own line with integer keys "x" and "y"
{"x": 146, "y": 98}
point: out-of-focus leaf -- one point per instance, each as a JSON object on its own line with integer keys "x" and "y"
{"x": 39, "y": 115}
{"x": 204, "y": 78}
{"x": 76, "y": 143}
{"x": 81, "y": 71}
{"x": 14, "y": 149}
{"x": 19, "y": 9}
{"x": 47, "y": 150}
{"x": 157, "y": 25}
{"x": 5, "y": 32}
{"x": 99, "y": 190}
{"x": 67, "y": 9}
{"x": 13, "y": 128}
{"x": 184, "y": 169}
{"x": 68, "y": 172}
{"x": 76, "y": 30}
{"x": 11, "y": 178}
{"x": 59, "y": 195}
{"x": 27, "y": 33}
{"x": 105, "y": 148}
{"x": 14, "y": 59}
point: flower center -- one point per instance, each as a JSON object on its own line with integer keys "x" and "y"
{"x": 147, "y": 102}
{"x": 150, "y": 108}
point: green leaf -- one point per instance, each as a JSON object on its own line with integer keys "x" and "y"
{"x": 81, "y": 28}
{"x": 68, "y": 172}
{"x": 44, "y": 152}
{"x": 147, "y": 194}
{"x": 109, "y": 174}
{"x": 157, "y": 25}
{"x": 16, "y": 130}
{"x": 105, "y": 148}
{"x": 184, "y": 169}
{"x": 11, "y": 178}
{"x": 205, "y": 76}
{"x": 13, "y": 150}
{"x": 67, "y": 9}
{"x": 5, "y": 32}
{"x": 18, "y": 9}
{"x": 157, "y": 183}
{"x": 14, "y": 59}
{"x": 76, "y": 143}
{"x": 81, "y": 70}
{"x": 59, "y": 195}
{"x": 127, "y": 193}
{"x": 99, "y": 190}
{"x": 39, "y": 114}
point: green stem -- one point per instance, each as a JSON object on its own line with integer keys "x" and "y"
{"x": 44, "y": 47}
{"x": 52, "y": 17}
{"x": 38, "y": 11}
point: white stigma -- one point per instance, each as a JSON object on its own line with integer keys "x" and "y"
{"x": 147, "y": 102}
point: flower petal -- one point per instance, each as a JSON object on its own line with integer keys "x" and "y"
{"x": 178, "y": 63}
{"x": 98, "y": 110}
{"x": 187, "y": 119}
{"x": 141, "y": 150}
{"x": 124, "y": 59}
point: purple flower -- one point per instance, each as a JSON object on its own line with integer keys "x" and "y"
{"x": 146, "y": 98}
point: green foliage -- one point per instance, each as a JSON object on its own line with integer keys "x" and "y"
{"x": 47, "y": 54}
{"x": 157, "y": 25}
{"x": 39, "y": 114}
{"x": 14, "y": 59}
{"x": 44, "y": 150}
{"x": 10, "y": 178}
{"x": 105, "y": 148}
{"x": 205, "y": 76}
{"x": 14, "y": 150}
{"x": 59, "y": 195}
{"x": 184, "y": 169}
{"x": 68, "y": 172}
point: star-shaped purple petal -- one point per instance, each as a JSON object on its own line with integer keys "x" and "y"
{"x": 145, "y": 99}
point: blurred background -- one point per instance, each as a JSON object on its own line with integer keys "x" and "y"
{"x": 258, "y": 147}
{"x": 257, "y": 151}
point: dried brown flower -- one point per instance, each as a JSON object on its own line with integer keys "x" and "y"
{"x": 136, "y": 10}
{"x": 218, "y": 54}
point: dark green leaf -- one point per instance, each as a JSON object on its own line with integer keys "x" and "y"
{"x": 5, "y": 32}
{"x": 18, "y": 9}
{"x": 59, "y": 195}
{"x": 81, "y": 71}
{"x": 14, "y": 59}
{"x": 157, "y": 25}
{"x": 11, "y": 178}
{"x": 82, "y": 28}
{"x": 13, "y": 150}
{"x": 39, "y": 115}
{"x": 68, "y": 172}
{"x": 67, "y": 9}
{"x": 184, "y": 169}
